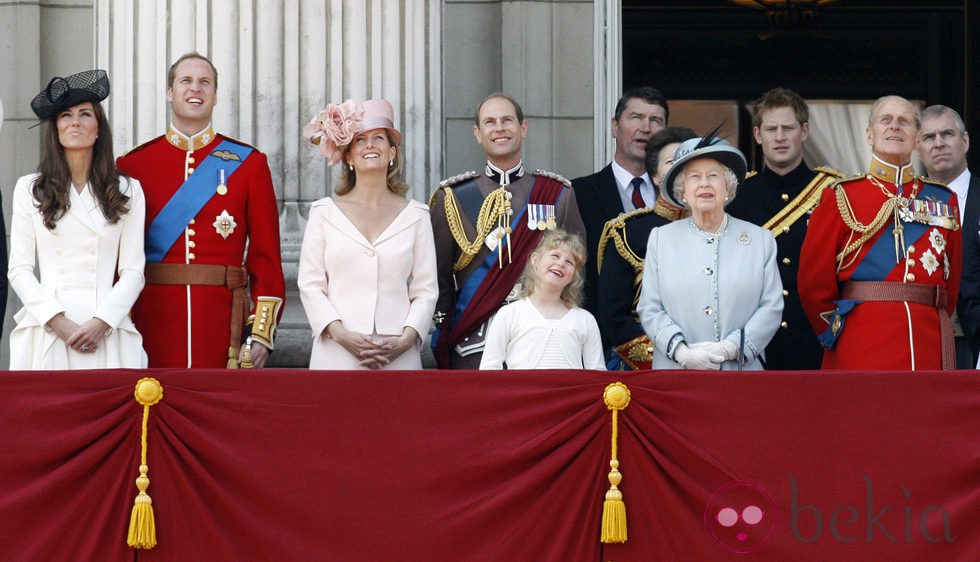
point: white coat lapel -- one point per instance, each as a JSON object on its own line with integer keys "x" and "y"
{"x": 80, "y": 207}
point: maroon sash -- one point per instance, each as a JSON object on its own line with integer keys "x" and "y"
{"x": 498, "y": 281}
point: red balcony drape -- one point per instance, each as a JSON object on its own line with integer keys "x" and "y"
{"x": 439, "y": 465}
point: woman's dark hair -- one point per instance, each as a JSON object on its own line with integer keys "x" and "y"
{"x": 50, "y": 189}
{"x": 659, "y": 140}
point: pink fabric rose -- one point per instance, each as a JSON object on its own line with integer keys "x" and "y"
{"x": 334, "y": 127}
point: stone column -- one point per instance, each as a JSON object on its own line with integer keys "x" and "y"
{"x": 279, "y": 62}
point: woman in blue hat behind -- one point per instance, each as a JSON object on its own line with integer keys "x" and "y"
{"x": 711, "y": 297}
{"x": 81, "y": 223}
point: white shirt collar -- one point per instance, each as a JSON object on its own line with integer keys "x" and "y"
{"x": 624, "y": 177}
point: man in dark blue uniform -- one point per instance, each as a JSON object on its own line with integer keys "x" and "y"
{"x": 781, "y": 198}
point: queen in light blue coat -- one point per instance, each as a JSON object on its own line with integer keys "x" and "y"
{"x": 711, "y": 297}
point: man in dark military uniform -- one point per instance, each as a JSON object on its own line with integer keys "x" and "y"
{"x": 622, "y": 249}
{"x": 781, "y": 199}
{"x": 485, "y": 227}
{"x": 208, "y": 198}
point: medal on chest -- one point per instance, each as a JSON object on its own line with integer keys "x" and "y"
{"x": 224, "y": 224}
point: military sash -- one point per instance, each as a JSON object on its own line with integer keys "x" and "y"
{"x": 191, "y": 197}
{"x": 488, "y": 286}
{"x": 881, "y": 259}
{"x": 802, "y": 203}
{"x": 930, "y": 208}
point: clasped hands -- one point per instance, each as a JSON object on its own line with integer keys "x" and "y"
{"x": 373, "y": 352}
{"x": 705, "y": 356}
{"x": 84, "y": 338}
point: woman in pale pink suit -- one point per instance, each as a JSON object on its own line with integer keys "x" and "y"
{"x": 367, "y": 268}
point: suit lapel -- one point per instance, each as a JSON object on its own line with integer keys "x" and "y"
{"x": 609, "y": 198}
{"x": 972, "y": 199}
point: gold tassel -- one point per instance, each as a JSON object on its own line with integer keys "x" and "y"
{"x": 142, "y": 528}
{"x": 232, "y": 358}
{"x": 617, "y": 397}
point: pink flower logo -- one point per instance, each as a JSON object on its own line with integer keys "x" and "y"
{"x": 741, "y": 517}
{"x": 334, "y": 127}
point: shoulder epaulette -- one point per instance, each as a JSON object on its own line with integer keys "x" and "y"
{"x": 451, "y": 181}
{"x": 829, "y": 171}
{"x": 458, "y": 178}
{"x": 554, "y": 176}
{"x": 144, "y": 145}
{"x": 236, "y": 141}
{"x": 845, "y": 179}
{"x": 931, "y": 181}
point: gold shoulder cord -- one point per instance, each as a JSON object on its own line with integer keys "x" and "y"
{"x": 615, "y": 229}
{"x": 802, "y": 203}
{"x": 492, "y": 209}
{"x": 886, "y": 212}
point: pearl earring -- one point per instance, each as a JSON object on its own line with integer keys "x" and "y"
{"x": 391, "y": 163}
{"x": 351, "y": 167}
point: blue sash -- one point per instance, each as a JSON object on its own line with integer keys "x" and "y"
{"x": 879, "y": 262}
{"x": 191, "y": 197}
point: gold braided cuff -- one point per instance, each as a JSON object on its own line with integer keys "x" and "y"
{"x": 263, "y": 322}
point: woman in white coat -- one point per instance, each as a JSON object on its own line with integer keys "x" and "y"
{"x": 367, "y": 268}
{"x": 81, "y": 224}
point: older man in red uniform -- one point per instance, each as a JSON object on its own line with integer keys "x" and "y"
{"x": 880, "y": 266}
{"x": 208, "y": 199}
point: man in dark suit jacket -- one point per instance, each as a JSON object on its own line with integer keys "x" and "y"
{"x": 640, "y": 113}
{"x": 943, "y": 144}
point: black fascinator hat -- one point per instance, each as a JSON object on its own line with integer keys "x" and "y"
{"x": 62, "y": 93}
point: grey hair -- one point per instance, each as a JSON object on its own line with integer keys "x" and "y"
{"x": 730, "y": 178}
{"x": 937, "y": 110}
{"x": 883, "y": 99}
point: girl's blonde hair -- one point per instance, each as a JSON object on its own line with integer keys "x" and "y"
{"x": 572, "y": 294}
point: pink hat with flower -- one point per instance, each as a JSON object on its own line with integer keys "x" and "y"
{"x": 337, "y": 125}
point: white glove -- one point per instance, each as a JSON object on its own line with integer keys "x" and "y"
{"x": 698, "y": 356}
{"x": 724, "y": 348}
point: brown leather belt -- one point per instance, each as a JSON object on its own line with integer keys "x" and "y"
{"x": 929, "y": 295}
{"x": 234, "y": 278}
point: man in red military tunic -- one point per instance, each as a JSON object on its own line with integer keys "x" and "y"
{"x": 209, "y": 198}
{"x": 880, "y": 266}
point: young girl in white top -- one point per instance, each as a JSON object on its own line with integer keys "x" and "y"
{"x": 546, "y": 329}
